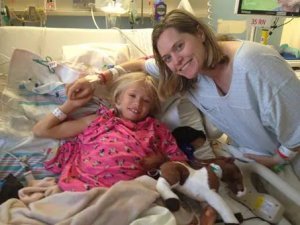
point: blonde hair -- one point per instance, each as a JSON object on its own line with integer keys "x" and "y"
{"x": 120, "y": 84}
{"x": 184, "y": 22}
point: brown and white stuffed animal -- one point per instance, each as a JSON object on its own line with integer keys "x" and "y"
{"x": 200, "y": 180}
{"x": 201, "y": 184}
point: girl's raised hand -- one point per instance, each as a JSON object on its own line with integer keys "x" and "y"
{"x": 80, "y": 89}
{"x": 79, "y": 102}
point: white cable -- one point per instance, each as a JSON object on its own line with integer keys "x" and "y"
{"x": 6, "y": 61}
{"x": 5, "y": 56}
{"x": 116, "y": 28}
{"x": 3, "y": 63}
{"x": 93, "y": 17}
{"x": 128, "y": 39}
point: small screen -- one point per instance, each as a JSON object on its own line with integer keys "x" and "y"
{"x": 268, "y": 7}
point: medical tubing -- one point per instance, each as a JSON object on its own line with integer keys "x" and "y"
{"x": 93, "y": 17}
{"x": 116, "y": 28}
{"x": 5, "y": 56}
{"x": 128, "y": 39}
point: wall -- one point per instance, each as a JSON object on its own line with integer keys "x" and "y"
{"x": 68, "y": 16}
{"x": 218, "y": 12}
{"x": 291, "y": 33}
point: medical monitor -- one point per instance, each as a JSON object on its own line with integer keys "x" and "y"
{"x": 268, "y": 7}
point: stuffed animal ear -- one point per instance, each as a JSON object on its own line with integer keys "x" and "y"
{"x": 225, "y": 159}
{"x": 186, "y": 134}
{"x": 229, "y": 159}
{"x": 174, "y": 172}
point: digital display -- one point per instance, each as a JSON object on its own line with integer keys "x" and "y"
{"x": 268, "y": 7}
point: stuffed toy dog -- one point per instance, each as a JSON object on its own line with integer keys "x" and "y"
{"x": 200, "y": 179}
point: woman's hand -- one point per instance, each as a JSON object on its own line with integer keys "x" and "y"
{"x": 80, "y": 89}
{"x": 268, "y": 161}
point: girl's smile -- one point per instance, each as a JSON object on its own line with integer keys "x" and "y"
{"x": 134, "y": 103}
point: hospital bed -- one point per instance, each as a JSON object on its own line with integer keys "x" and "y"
{"x": 33, "y": 89}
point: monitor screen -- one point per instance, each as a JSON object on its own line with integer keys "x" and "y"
{"x": 268, "y": 7}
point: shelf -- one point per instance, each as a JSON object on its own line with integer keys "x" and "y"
{"x": 72, "y": 12}
{"x": 294, "y": 63}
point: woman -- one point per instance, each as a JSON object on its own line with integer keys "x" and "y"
{"x": 247, "y": 90}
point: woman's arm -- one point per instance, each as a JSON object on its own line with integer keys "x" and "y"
{"x": 281, "y": 157}
{"x": 85, "y": 86}
{"x": 53, "y": 127}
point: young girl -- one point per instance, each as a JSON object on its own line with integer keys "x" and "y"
{"x": 110, "y": 145}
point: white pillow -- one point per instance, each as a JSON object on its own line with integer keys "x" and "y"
{"x": 95, "y": 55}
{"x": 89, "y": 58}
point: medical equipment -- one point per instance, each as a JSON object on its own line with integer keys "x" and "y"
{"x": 48, "y": 62}
{"x": 264, "y": 36}
{"x": 133, "y": 19}
{"x": 82, "y": 3}
{"x": 267, "y": 8}
{"x": 2, "y": 11}
{"x": 4, "y": 14}
{"x": 262, "y": 12}
{"x": 50, "y": 4}
{"x": 160, "y": 10}
{"x": 112, "y": 9}
{"x": 262, "y": 205}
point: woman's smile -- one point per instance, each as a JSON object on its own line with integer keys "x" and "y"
{"x": 185, "y": 66}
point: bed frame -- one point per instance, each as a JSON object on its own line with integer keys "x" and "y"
{"x": 49, "y": 42}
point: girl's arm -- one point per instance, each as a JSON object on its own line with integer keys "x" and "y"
{"x": 85, "y": 86}
{"x": 52, "y": 127}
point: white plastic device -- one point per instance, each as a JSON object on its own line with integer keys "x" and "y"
{"x": 262, "y": 205}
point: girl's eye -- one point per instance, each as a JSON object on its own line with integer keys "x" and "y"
{"x": 147, "y": 100}
{"x": 132, "y": 95}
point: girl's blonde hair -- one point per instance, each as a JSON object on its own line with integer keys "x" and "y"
{"x": 184, "y": 22}
{"x": 120, "y": 84}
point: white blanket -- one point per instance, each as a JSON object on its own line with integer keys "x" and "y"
{"x": 121, "y": 204}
